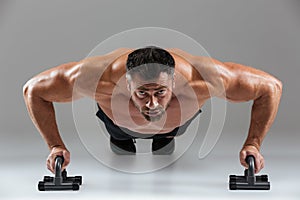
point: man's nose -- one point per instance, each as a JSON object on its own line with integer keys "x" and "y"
{"x": 152, "y": 102}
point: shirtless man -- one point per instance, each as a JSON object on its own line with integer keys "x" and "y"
{"x": 161, "y": 94}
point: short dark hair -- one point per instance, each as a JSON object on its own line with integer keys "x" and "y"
{"x": 149, "y": 62}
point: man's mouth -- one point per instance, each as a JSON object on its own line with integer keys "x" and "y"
{"x": 153, "y": 113}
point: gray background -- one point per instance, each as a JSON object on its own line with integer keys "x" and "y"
{"x": 37, "y": 35}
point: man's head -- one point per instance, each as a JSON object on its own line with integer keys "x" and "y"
{"x": 150, "y": 78}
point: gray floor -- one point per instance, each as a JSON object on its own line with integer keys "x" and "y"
{"x": 187, "y": 178}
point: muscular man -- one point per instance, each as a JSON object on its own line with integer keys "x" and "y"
{"x": 151, "y": 93}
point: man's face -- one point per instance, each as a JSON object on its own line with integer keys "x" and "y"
{"x": 151, "y": 98}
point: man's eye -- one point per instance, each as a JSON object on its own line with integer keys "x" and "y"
{"x": 141, "y": 93}
{"x": 162, "y": 92}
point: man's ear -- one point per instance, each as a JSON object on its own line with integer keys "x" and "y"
{"x": 174, "y": 77}
{"x": 128, "y": 85}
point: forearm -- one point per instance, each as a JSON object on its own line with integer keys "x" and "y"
{"x": 43, "y": 116}
{"x": 263, "y": 113}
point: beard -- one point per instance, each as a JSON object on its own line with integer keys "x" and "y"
{"x": 152, "y": 115}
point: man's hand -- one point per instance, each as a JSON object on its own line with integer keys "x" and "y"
{"x": 252, "y": 150}
{"x": 58, "y": 151}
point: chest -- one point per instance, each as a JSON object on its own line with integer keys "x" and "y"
{"x": 119, "y": 107}
{"x": 122, "y": 111}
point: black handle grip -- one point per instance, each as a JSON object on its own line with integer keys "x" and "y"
{"x": 59, "y": 160}
{"x": 251, "y": 163}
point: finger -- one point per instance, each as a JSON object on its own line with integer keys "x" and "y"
{"x": 243, "y": 159}
{"x": 257, "y": 162}
{"x": 262, "y": 165}
{"x": 66, "y": 156}
{"x": 50, "y": 165}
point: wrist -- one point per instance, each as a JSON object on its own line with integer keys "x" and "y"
{"x": 51, "y": 147}
{"x": 253, "y": 141}
{"x": 256, "y": 146}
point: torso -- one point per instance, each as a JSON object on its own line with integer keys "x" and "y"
{"x": 114, "y": 98}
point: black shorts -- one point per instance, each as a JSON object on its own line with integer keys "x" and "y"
{"x": 122, "y": 133}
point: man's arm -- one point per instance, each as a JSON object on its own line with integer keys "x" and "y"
{"x": 54, "y": 85}
{"x": 244, "y": 84}
{"x": 239, "y": 83}
{"x": 64, "y": 83}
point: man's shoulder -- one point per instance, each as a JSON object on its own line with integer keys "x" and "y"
{"x": 195, "y": 60}
{"x": 101, "y": 63}
{"x": 106, "y": 58}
